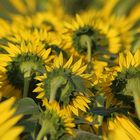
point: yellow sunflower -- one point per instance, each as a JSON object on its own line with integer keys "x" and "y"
{"x": 21, "y": 62}
{"x": 56, "y": 122}
{"x": 8, "y": 120}
{"x": 90, "y": 35}
{"x": 40, "y": 20}
{"x": 125, "y": 29}
{"x": 125, "y": 86}
{"x": 127, "y": 60}
{"x": 124, "y": 25}
{"x": 121, "y": 128}
{"x": 49, "y": 39}
{"x": 67, "y": 83}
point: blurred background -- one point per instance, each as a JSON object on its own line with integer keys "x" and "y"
{"x": 121, "y": 8}
{"x": 70, "y": 6}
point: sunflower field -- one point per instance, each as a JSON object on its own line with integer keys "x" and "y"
{"x": 69, "y": 70}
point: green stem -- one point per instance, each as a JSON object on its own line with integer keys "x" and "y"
{"x": 56, "y": 83}
{"x": 100, "y": 103}
{"x": 87, "y": 42}
{"x": 89, "y": 54}
{"x": 26, "y": 86}
{"x": 42, "y": 133}
{"x": 134, "y": 86}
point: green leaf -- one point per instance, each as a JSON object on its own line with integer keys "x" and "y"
{"x": 28, "y": 125}
{"x": 27, "y": 106}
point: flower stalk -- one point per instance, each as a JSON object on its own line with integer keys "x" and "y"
{"x": 26, "y": 86}
{"x": 134, "y": 86}
{"x": 56, "y": 83}
{"x": 87, "y": 42}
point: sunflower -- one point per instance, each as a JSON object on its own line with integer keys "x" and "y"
{"x": 10, "y": 30}
{"x": 91, "y": 36}
{"x": 55, "y": 122}
{"x": 49, "y": 39}
{"x": 66, "y": 83}
{"x": 128, "y": 61}
{"x": 125, "y": 28}
{"x": 121, "y": 128}
{"x": 125, "y": 24}
{"x": 125, "y": 86}
{"x": 20, "y": 63}
{"x": 40, "y": 20}
{"x": 8, "y": 120}
{"x": 48, "y": 20}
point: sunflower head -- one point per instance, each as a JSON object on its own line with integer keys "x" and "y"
{"x": 85, "y": 35}
{"x": 91, "y": 35}
{"x": 55, "y": 123}
{"x": 125, "y": 86}
{"x": 66, "y": 83}
{"x": 121, "y": 127}
{"x": 40, "y": 36}
{"x": 129, "y": 63}
{"x": 21, "y": 62}
{"x": 128, "y": 69}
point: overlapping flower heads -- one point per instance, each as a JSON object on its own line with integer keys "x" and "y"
{"x": 70, "y": 76}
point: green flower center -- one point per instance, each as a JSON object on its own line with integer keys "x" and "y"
{"x": 99, "y": 40}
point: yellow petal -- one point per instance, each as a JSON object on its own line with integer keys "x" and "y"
{"x": 79, "y": 20}
{"x": 122, "y": 61}
{"x": 7, "y": 104}
{"x": 38, "y": 89}
{"x": 7, "y": 125}
{"x": 61, "y": 59}
{"x": 6, "y": 114}
{"x": 129, "y": 58}
{"x": 12, "y": 134}
{"x": 69, "y": 62}
{"x": 77, "y": 65}
{"x": 136, "y": 57}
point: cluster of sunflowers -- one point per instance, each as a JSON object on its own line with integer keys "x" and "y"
{"x": 70, "y": 77}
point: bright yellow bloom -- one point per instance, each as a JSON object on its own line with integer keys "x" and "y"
{"x": 8, "y": 130}
{"x": 60, "y": 75}
{"x": 20, "y": 61}
{"x": 122, "y": 128}
{"x": 128, "y": 60}
{"x": 55, "y": 121}
{"x": 63, "y": 114}
{"x": 99, "y": 33}
{"x": 41, "y": 20}
{"x": 48, "y": 39}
